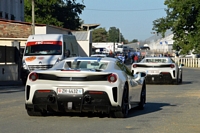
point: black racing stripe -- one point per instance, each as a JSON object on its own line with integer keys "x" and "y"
{"x": 168, "y": 65}
{"x": 88, "y": 78}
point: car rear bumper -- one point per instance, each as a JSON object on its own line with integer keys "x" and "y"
{"x": 160, "y": 79}
{"x": 86, "y": 102}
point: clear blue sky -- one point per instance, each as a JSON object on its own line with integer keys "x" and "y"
{"x": 134, "y": 18}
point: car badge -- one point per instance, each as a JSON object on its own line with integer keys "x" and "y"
{"x": 40, "y": 62}
{"x": 70, "y": 78}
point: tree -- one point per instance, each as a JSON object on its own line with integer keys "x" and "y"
{"x": 134, "y": 41}
{"x": 62, "y": 13}
{"x": 183, "y": 20}
{"x": 113, "y": 34}
{"x": 99, "y": 35}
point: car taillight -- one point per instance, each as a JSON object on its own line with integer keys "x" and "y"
{"x": 112, "y": 78}
{"x": 33, "y": 76}
{"x": 172, "y": 65}
{"x": 134, "y": 65}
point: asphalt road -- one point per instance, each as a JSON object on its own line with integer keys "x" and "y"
{"x": 169, "y": 109}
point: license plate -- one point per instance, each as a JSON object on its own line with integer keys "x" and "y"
{"x": 69, "y": 91}
{"x": 154, "y": 71}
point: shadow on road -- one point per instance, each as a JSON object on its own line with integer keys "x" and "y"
{"x": 184, "y": 83}
{"x": 149, "y": 108}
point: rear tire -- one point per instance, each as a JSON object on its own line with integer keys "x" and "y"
{"x": 176, "y": 82}
{"x": 142, "y": 97}
{"x": 123, "y": 113}
{"x": 181, "y": 78}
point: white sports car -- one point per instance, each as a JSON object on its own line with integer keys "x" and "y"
{"x": 85, "y": 84}
{"x": 161, "y": 70}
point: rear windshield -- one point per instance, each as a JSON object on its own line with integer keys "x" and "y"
{"x": 82, "y": 65}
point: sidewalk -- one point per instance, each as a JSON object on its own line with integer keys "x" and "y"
{"x": 11, "y": 83}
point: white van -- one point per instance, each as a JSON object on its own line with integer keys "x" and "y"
{"x": 42, "y": 51}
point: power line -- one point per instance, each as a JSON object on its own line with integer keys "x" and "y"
{"x": 125, "y": 10}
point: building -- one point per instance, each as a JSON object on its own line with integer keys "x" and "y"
{"x": 18, "y": 32}
{"x": 12, "y": 10}
{"x": 161, "y": 44}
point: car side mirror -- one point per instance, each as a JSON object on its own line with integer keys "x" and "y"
{"x": 143, "y": 74}
{"x": 181, "y": 65}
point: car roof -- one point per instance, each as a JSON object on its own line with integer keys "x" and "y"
{"x": 157, "y": 58}
{"x": 92, "y": 58}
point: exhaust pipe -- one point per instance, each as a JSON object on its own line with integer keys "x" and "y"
{"x": 88, "y": 98}
{"x": 51, "y": 98}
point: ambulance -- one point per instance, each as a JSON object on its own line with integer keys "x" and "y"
{"x": 42, "y": 51}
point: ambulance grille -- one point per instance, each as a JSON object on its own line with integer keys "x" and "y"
{"x": 39, "y": 67}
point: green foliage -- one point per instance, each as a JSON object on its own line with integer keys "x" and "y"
{"x": 113, "y": 34}
{"x": 134, "y": 41}
{"x": 62, "y": 13}
{"x": 183, "y": 20}
{"x": 99, "y": 35}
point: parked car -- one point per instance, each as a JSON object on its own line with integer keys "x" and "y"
{"x": 159, "y": 70}
{"x": 192, "y": 56}
{"x": 144, "y": 48}
{"x": 85, "y": 84}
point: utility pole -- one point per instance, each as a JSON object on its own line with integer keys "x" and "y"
{"x": 155, "y": 33}
{"x": 33, "y": 17}
{"x": 119, "y": 37}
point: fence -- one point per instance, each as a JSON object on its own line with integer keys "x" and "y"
{"x": 188, "y": 62}
{"x": 9, "y": 55}
{"x": 10, "y": 63}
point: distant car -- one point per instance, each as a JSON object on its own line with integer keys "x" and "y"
{"x": 161, "y": 70}
{"x": 192, "y": 56}
{"x": 144, "y": 48}
{"x": 85, "y": 84}
{"x": 99, "y": 55}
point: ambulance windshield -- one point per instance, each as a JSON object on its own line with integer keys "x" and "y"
{"x": 43, "y": 49}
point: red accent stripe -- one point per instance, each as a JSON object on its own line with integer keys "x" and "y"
{"x": 43, "y": 90}
{"x": 44, "y": 42}
{"x": 164, "y": 72}
{"x": 95, "y": 92}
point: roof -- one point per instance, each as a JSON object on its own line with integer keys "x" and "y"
{"x": 81, "y": 35}
{"x": 89, "y": 26}
{"x": 36, "y": 24}
{"x": 20, "y": 22}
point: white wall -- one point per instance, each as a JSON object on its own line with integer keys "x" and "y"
{"x": 8, "y": 41}
{"x": 40, "y": 30}
{"x": 84, "y": 48}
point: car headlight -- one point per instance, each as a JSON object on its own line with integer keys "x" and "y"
{"x": 24, "y": 65}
